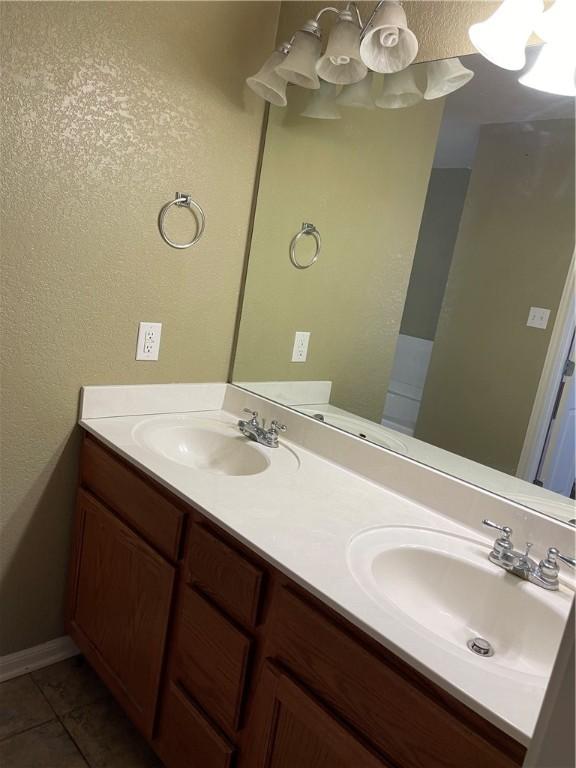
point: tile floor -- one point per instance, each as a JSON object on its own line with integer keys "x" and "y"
{"x": 63, "y": 717}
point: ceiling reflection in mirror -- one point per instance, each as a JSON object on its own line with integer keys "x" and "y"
{"x": 439, "y": 296}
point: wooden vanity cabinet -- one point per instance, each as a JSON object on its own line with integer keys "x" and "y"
{"x": 295, "y": 731}
{"x": 120, "y": 608}
{"x": 405, "y": 718}
{"x": 223, "y": 662}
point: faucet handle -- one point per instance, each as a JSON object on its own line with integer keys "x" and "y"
{"x": 254, "y": 414}
{"x": 507, "y": 532}
{"x": 553, "y": 554}
{"x": 277, "y": 427}
{"x": 502, "y": 548}
{"x": 548, "y": 568}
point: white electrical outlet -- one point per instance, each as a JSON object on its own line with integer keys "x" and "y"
{"x": 538, "y": 317}
{"x": 300, "y": 349}
{"x": 148, "y": 344}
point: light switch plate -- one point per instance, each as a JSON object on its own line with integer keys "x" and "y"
{"x": 538, "y": 317}
{"x": 300, "y": 349}
{"x": 148, "y": 344}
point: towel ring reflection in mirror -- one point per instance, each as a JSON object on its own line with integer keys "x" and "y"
{"x": 183, "y": 200}
{"x": 307, "y": 229}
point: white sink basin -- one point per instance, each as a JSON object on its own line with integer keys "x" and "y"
{"x": 446, "y": 588}
{"x": 207, "y": 445}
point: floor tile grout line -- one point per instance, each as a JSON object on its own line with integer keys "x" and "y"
{"x": 63, "y": 724}
{"x": 46, "y": 699}
{"x": 30, "y": 728}
{"x": 58, "y": 717}
{"x": 73, "y": 740}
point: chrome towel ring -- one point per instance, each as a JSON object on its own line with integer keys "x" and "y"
{"x": 183, "y": 200}
{"x": 307, "y": 229}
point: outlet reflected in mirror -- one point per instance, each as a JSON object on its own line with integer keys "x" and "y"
{"x": 440, "y": 308}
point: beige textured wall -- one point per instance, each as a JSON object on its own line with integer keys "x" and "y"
{"x": 513, "y": 251}
{"x": 109, "y": 108}
{"x": 362, "y": 182}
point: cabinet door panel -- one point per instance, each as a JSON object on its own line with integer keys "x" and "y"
{"x": 210, "y": 658}
{"x": 123, "y": 595}
{"x": 186, "y": 739}
{"x": 406, "y": 724}
{"x": 290, "y": 728}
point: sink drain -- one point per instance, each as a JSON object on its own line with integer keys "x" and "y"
{"x": 480, "y": 646}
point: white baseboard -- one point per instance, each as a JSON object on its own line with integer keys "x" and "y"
{"x": 22, "y": 662}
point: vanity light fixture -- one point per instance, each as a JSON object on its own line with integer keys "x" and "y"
{"x": 387, "y": 44}
{"x": 399, "y": 91}
{"x": 503, "y": 37}
{"x": 341, "y": 62}
{"x": 558, "y": 22}
{"x": 383, "y": 44}
{"x": 267, "y": 83}
{"x": 358, "y": 95}
{"x": 299, "y": 66}
{"x": 322, "y": 103}
{"x": 444, "y": 77}
{"x": 554, "y": 70}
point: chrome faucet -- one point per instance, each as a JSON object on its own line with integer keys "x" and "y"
{"x": 544, "y": 574}
{"x": 253, "y": 430}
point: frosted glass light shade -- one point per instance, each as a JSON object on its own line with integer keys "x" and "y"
{"x": 557, "y": 23}
{"x": 444, "y": 77}
{"x": 299, "y": 66}
{"x": 399, "y": 90}
{"x": 554, "y": 70}
{"x": 503, "y": 37}
{"x": 267, "y": 83}
{"x": 322, "y": 104}
{"x": 388, "y": 45}
{"x": 357, "y": 95}
{"x": 341, "y": 63}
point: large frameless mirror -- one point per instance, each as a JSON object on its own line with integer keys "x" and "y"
{"x": 439, "y": 296}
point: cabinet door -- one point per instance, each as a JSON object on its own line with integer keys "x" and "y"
{"x": 289, "y": 728}
{"x": 185, "y": 737}
{"x": 123, "y": 591}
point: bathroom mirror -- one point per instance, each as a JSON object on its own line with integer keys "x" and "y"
{"x": 440, "y": 307}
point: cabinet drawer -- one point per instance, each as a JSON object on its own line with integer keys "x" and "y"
{"x": 226, "y": 576}
{"x": 210, "y": 658}
{"x": 186, "y": 739}
{"x": 406, "y": 723}
{"x": 134, "y": 499}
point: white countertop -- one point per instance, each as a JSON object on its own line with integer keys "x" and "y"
{"x": 301, "y": 521}
{"x": 483, "y": 476}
